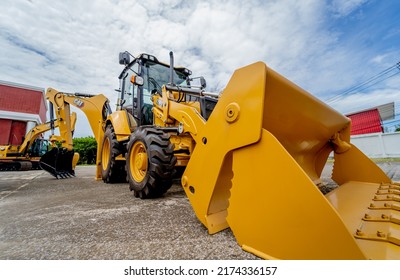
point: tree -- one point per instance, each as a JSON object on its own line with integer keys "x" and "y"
{"x": 87, "y": 149}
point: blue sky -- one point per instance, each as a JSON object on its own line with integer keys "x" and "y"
{"x": 326, "y": 47}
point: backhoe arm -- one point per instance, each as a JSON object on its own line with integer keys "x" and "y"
{"x": 96, "y": 108}
{"x": 36, "y": 131}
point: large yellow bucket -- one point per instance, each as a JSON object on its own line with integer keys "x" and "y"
{"x": 258, "y": 167}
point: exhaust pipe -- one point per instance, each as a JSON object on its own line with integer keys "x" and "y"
{"x": 171, "y": 68}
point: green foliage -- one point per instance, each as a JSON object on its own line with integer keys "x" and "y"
{"x": 398, "y": 129}
{"x": 87, "y": 149}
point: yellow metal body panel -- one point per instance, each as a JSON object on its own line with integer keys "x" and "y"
{"x": 173, "y": 114}
{"x": 6, "y": 150}
{"x": 120, "y": 123}
{"x": 3, "y": 151}
{"x": 75, "y": 160}
{"x": 182, "y": 142}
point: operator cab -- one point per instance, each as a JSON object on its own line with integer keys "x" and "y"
{"x": 39, "y": 147}
{"x": 142, "y": 78}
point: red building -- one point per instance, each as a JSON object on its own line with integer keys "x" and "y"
{"x": 370, "y": 121}
{"x": 21, "y": 108}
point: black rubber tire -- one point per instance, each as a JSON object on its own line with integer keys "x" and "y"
{"x": 160, "y": 162}
{"x": 112, "y": 170}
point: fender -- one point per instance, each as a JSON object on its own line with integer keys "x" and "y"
{"x": 123, "y": 124}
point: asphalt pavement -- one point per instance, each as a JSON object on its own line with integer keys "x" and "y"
{"x": 81, "y": 218}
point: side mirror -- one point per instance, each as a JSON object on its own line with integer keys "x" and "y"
{"x": 203, "y": 83}
{"x": 124, "y": 58}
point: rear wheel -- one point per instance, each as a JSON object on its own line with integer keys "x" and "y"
{"x": 150, "y": 162}
{"x": 112, "y": 170}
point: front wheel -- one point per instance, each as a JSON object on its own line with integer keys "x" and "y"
{"x": 150, "y": 162}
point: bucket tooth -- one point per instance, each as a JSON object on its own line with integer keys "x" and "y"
{"x": 384, "y": 206}
{"x": 379, "y": 236}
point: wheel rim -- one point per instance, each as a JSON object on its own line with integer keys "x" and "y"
{"x": 105, "y": 155}
{"x": 138, "y": 161}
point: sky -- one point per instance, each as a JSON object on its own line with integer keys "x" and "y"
{"x": 326, "y": 47}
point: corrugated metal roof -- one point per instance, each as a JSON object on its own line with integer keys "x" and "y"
{"x": 366, "y": 122}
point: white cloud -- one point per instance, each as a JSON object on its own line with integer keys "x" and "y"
{"x": 74, "y": 45}
{"x": 343, "y": 8}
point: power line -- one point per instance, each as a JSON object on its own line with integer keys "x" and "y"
{"x": 373, "y": 78}
{"x": 380, "y": 77}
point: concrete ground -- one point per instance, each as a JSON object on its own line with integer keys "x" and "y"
{"x": 80, "y": 218}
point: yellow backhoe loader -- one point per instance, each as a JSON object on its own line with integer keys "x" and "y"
{"x": 252, "y": 157}
{"x": 27, "y": 155}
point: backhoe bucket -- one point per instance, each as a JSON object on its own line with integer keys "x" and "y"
{"x": 59, "y": 162}
{"x": 258, "y": 167}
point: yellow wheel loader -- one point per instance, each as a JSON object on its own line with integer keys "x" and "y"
{"x": 27, "y": 155}
{"x": 252, "y": 158}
